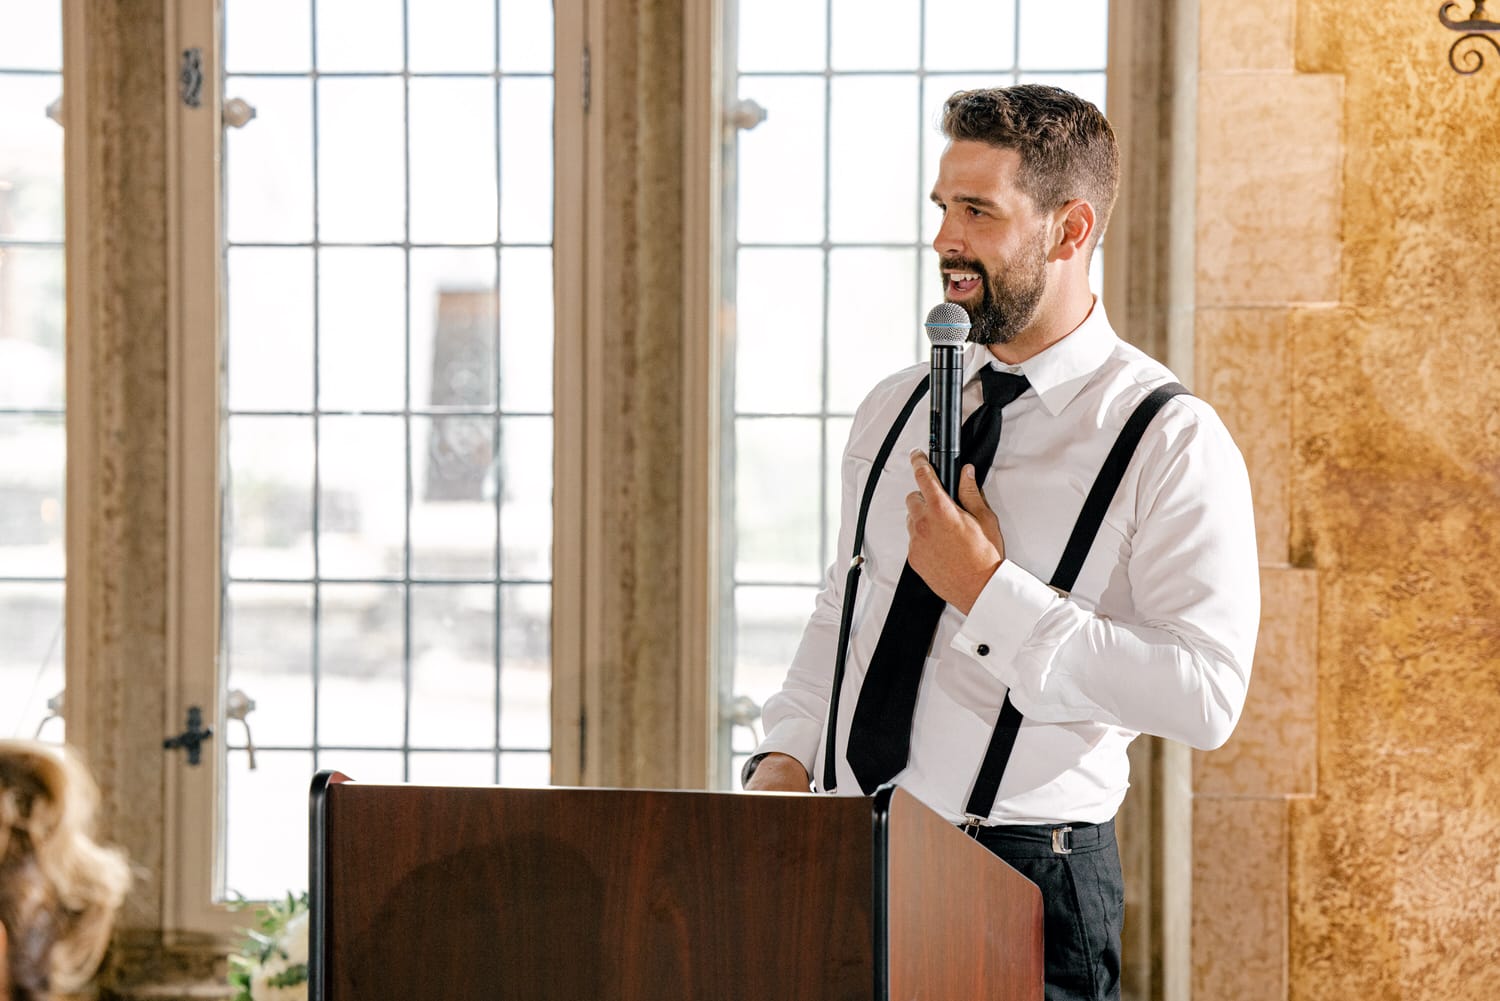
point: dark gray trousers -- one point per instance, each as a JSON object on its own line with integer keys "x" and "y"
{"x": 1083, "y": 899}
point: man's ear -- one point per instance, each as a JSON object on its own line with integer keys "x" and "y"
{"x": 1074, "y": 230}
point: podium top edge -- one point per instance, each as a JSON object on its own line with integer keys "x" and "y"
{"x": 882, "y": 800}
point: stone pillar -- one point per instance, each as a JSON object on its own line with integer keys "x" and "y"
{"x": 634, "y": 423}
{"x": 117, "y": 426}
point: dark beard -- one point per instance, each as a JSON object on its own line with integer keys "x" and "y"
{"x": 1010, "y": 295}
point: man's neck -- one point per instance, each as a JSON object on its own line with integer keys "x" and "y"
{"x": 1046, "y": 329}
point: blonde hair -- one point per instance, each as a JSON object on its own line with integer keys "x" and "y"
{"x": 59, "y": 888}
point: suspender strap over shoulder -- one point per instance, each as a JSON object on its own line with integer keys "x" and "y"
{"x": 851, "y": 580}
{"x": 1106, "y": 485}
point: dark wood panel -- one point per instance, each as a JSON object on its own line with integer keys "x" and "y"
{"x": 962, "y": 923}
{"x": 575, "y": 894}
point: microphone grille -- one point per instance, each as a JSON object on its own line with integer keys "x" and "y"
{"x": 947, "y": 323}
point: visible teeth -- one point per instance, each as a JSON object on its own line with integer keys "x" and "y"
{"x": 963, "y": 276}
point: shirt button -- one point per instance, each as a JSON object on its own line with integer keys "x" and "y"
{"x": 982, "y": 649}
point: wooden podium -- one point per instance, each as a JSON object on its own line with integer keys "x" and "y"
{"x": 442, "y": 894}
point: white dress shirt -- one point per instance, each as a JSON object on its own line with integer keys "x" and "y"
{"x": 1156, "y": 636}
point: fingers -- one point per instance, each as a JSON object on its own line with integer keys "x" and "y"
{"x": 927, "y": 478}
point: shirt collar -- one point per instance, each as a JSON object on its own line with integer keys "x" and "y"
{"x": 1060, "y": 372}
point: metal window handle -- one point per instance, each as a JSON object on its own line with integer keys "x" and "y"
{"x": 54, "y": 711}
{"x": 745, "y": 114}
{"x": 238, "y": 113}
{"x": 744, "y": 711}
{"x": 239, "y": 706}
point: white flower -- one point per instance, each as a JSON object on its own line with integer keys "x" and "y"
{"x": 294, "y": 937}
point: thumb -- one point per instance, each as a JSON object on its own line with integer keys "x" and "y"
{"x": 969, "y": 494}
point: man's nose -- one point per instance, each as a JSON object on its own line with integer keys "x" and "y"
{"x": 949, "y": 240}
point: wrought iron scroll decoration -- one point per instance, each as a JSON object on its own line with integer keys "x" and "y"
{"x": 1476, "y": 28}
{"x": 190, "y": 77}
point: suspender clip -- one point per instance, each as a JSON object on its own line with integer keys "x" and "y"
{"x": 857, "y": 562}
{"x": 972, "y": 823}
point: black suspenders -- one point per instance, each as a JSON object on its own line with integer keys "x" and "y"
{"x": 1106, "y": 484}
{"x": 851, "y": 581}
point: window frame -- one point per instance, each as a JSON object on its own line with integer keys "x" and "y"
{"x": 79, "y": 417}
{"x": 196, "y": 324}
{"x": 703, "y": 351}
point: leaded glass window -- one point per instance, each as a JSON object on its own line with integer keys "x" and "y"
{"x": 829, "y": 268}
{"x": 387, "y": 424}
{"x": 32, "y": 376}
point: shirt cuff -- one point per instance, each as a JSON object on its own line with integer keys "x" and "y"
{"x": 1003, "y": 617}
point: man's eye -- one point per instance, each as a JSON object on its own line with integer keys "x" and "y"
{"x": 974, "y": 212}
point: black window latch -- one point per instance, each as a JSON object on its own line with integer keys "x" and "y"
{"x": 192, "y": 738}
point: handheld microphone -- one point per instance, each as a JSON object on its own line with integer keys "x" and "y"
{"x": 948, "y": 330}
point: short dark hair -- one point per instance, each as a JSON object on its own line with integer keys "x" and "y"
{"x": 1067, "y": 146}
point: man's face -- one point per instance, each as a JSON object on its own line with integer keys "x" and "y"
{"x": 993, "y": 244}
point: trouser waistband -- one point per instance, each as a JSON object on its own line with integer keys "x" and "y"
{"x": 1044, "y": 840}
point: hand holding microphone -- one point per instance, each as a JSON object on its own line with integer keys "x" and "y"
{"x": 954, "y": 546}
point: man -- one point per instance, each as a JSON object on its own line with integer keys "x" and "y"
{"x": 1156, "y": 633}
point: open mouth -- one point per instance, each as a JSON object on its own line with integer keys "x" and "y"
{"x": 961, "y": 283}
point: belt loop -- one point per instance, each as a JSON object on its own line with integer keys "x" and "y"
{"x": 1062, "y": 840}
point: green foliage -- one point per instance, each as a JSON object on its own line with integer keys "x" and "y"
{"x": 296, "y": 974}
{"x": 240, "y": 975}
{"x": 263, "y": 943}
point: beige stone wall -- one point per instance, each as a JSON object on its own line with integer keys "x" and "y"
{"x": 1348, "y": 215}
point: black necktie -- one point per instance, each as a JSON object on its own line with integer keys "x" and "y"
{"x": 880, "y": 732}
